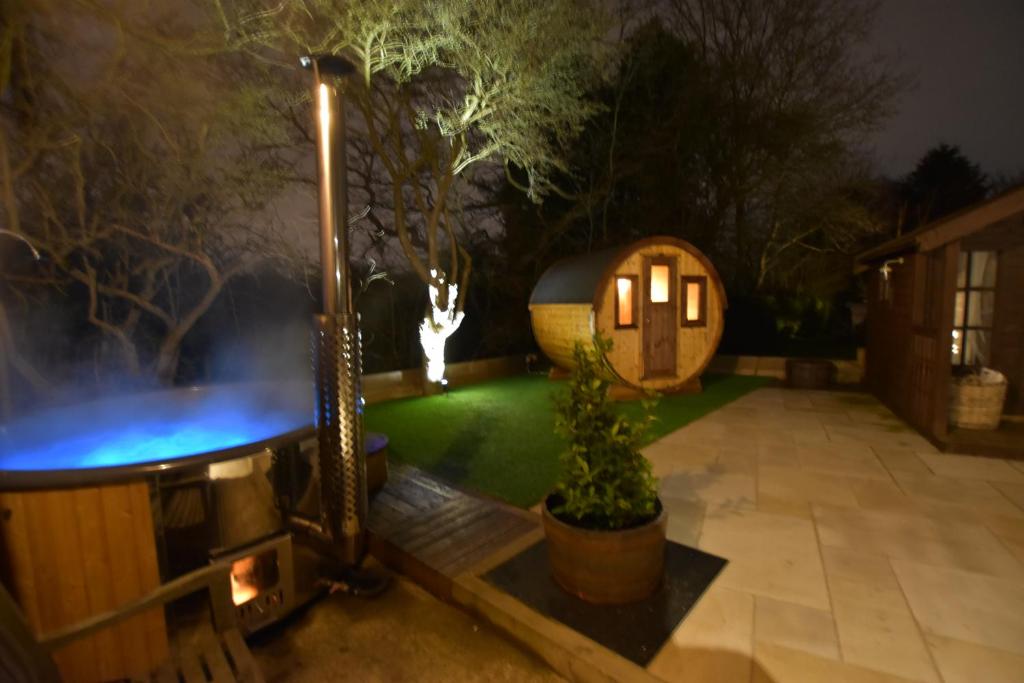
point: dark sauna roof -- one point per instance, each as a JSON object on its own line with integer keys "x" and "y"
{"x": 573, "y": 280}
{"x": 951, "y": 228}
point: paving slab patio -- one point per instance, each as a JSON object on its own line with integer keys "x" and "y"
{"x": 857, "y": 551}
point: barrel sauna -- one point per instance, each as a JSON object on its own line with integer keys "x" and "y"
{"x": 659, "y": 300}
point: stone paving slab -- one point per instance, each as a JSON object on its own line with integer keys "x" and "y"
{"x": 857, "y": 551}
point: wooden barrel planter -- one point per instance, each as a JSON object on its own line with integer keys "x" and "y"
{"x": 607, "y": 567}
{"x": 659, "y": 300}
{"x": 809, "y": 373}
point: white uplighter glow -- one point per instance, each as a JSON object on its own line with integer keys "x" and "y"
{"x": 436, "y": 328}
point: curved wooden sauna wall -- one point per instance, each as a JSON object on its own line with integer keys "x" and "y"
{"x": 577, "y": 296}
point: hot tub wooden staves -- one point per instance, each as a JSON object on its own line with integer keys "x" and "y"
{"x": 70, "y": 554}
{"x": 659, "y": 300}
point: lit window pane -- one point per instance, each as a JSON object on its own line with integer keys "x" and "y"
{"x": 958, "y": 311}
{"x": 625, "y": 309}
{"x": 957, "y": 347}
{"x": 976, "y": 347}
{"x": 980, "y": 309}
{"x": 693, "y": 301}
{"x": 961, "y": 270}
{"x": 659, "y": 284}
{"x": 983, "y": 269}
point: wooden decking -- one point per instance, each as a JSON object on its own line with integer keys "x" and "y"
{"x": 432, "y": 532}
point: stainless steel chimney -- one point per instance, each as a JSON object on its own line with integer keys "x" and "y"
{"x": 336, "y": 343}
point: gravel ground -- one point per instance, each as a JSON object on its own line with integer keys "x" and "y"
{"x": 404, "y": 635}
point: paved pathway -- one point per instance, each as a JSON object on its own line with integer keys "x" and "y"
{"x": 857, "y": 552}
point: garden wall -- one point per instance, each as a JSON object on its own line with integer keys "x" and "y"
{"x": 848, "y": 370}
{"x": 385, "y": 386}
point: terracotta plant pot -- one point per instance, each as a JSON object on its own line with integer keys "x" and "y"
{"x": 607, "y": 567}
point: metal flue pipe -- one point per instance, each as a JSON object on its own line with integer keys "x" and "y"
{"x": 336, "y": 342}
{"x": 332, "y": 171}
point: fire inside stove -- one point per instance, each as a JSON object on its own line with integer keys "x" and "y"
{"x": 253, "y": 575}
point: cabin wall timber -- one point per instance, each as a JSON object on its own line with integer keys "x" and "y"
{"x": 910, "y": 317}
{"x": 592, "y": 293}
{"x": 557, "y": 327}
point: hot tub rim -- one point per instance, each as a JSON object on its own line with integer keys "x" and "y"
{"x": 36, "y": 480}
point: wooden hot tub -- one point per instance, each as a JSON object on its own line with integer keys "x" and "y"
{"x": 78, "y": 491}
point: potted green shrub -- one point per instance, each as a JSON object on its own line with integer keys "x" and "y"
{"x": 604, "y": 524}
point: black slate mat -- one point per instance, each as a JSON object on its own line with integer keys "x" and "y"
{"x": 635, "y": 631}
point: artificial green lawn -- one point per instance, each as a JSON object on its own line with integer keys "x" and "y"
{"x": 498, "y": 437}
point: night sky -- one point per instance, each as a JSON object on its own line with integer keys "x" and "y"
{"x": 967, "y": 57}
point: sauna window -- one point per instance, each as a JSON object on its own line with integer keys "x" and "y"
{"x": 974, "y": 308}
{"x": 695, "y": 300}
{"x": 625, "y": 301}
{"x": 660, "y": 276}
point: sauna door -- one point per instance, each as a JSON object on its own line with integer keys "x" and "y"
{"x": 660, "y": 300}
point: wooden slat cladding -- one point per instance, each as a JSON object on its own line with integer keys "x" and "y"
{"x": 890, "y": 369}
{"x": 922, "y": 378}
{"x": 908, "y": 364}
{"x": 909, "y": 340}
{"x": 557, "y": 326}
{"x": 695, "y": 346}
{"x": 660, "y": 320}
{"x": 75, "y": 553}
{"x": 1008, "y": 327}
{"x": 433, "y": 532}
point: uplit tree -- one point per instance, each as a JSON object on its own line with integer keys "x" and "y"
{"x": 794, "y": 92}
{"x": 444, "y": 86}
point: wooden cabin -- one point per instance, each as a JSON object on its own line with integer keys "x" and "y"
{"x": 949, "y": 294}
{"x": 659, "y": 300}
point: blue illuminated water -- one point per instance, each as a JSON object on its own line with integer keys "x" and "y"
{"x": 156, "y": 426}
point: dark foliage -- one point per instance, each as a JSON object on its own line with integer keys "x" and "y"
{"x": 943, "y": 182}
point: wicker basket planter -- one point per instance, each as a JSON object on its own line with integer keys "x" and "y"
{"x": 976, "y": 401}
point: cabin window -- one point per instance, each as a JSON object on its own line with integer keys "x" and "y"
{"x": 625, "y": 300}
{"x": 695, "y": 300}
{"x": 660, "y": 283}
{"x": 974, "y": 308}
